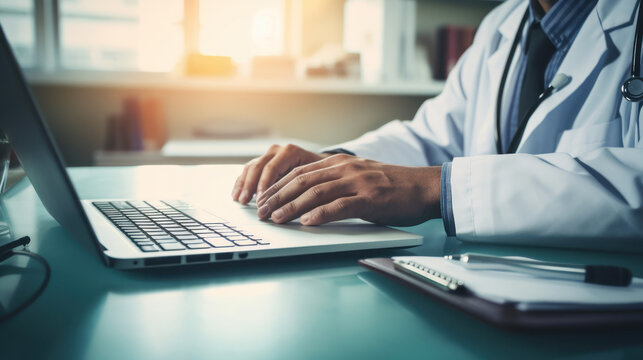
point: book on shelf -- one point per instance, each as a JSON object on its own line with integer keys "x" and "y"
{"x": 139, "y": 126}
{"x": 452, "y": 41}
{"x": 383, "y": 33}
{"x": 154, "y": 132}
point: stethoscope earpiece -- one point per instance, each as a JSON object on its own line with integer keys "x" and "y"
{"x": 632, "y": 89}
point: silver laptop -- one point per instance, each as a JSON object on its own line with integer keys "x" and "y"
{"x": 136, "y": 233}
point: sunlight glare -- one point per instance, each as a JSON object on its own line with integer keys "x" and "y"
{"x": 241, "y": 29}
{"x": 160, "y": 38}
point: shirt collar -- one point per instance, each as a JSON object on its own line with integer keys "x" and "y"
{"x": 562, "y": 22}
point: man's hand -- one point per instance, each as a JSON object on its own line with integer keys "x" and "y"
{"x": 343, "y": 186}
{"x": 259, "y": 174}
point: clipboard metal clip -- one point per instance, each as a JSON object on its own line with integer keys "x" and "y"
{"x": 436, "y": 278}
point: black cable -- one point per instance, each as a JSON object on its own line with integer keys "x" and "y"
{"x": 42, "y": 287}
{"x": 5, "y": 249}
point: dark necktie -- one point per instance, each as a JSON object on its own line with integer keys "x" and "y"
{"x": 539, "y": 52}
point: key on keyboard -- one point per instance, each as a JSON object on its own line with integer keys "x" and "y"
{"x": 172, "y": 225}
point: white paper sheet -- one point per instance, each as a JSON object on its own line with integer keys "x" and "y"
{"x": 536, "y": 293}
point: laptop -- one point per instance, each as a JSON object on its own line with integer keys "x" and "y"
{"x": 138, "y": 233}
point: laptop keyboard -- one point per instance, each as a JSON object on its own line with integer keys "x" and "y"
{"x": 173, "y": 225}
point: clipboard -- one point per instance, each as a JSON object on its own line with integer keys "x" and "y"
{"x": 508, "y": 316}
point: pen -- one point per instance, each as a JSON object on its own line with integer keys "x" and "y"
{"x": 594, "y": 274}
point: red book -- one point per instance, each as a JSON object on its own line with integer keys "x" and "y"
{"x": 454, "y": 41}
{"x": 153, "y": 124}
{"x": 132, "y": 124}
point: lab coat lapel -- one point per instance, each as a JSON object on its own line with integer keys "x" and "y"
{"x": 581, "y": 61}
{"x": 497, "y": 60}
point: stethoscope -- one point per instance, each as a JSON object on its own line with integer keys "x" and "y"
{"x": 632, "y": 88}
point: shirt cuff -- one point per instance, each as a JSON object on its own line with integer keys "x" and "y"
{"x": 446, "y": 206}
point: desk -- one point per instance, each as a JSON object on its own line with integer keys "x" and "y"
{"x": 312, "y": 307}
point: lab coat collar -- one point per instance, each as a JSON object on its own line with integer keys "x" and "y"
{"x": 509, "y": 27}
{"x": 614, "y": 14}
{"x": 611, "y": 13}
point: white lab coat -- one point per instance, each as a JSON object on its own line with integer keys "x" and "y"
{"x": 577, "y": 177}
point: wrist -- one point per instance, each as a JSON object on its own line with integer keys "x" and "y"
{"x": 431, "y": 191}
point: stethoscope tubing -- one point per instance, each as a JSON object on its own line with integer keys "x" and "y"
{"x": 503, "y": 81}
{"x": 632, "y": 88}
{"x": 636, "y": 52}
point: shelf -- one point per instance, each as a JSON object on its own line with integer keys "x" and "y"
{"x": 199, "y": 151}
{"x": 138, "y": 158}
{"x": 161, "y": 81}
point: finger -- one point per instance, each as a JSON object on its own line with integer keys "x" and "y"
{"x": 317, "y": 195}
{"x": 236, "y": 189}
{"x": 252, "y": 177}
{"x": 294, "y": 189}
{"x": 277, "y": 167}
{"x": 342, "y": 208}
{"x": 317, "y": 165}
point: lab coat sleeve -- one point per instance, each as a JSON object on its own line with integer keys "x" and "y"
{"x": 591, "y": 201}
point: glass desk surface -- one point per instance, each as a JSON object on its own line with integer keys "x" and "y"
{"x": 309, "y": 307}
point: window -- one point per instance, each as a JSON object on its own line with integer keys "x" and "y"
{"x": 156, "y": 35}
{"x": 16, "y": 17}
{"x": 148, "y": 35}
{"x": 241, "y": 29}
{"x": 140, "y": 35}
{"x": 128, "y": 35}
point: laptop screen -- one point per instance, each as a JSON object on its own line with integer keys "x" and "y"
{"x": 31, "y": 139}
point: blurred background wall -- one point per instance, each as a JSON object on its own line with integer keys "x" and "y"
{"x": 325, "y": 71}
{"x": 326, "y": 119}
